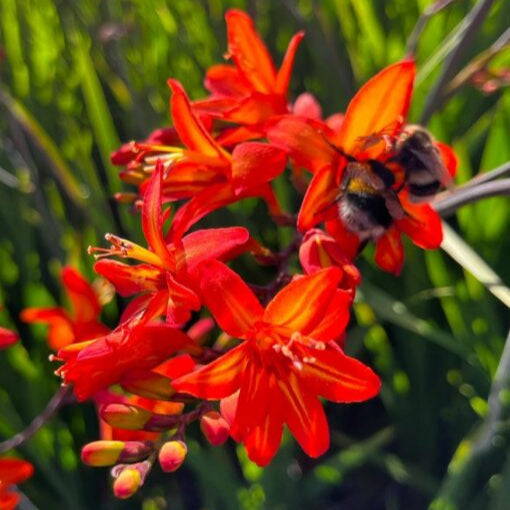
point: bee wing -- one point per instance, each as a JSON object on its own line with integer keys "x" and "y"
{"x": 432, "y": 161}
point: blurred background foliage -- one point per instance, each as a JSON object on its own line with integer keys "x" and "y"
{"x": 79, "y": 77}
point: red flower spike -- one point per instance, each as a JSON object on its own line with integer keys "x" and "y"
{"x": 79, "y": 325}
{"x": 12, "y": 472}
{"x": 284, "y": 362}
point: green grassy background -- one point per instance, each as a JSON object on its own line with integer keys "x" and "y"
{"x": 79, "y": 77}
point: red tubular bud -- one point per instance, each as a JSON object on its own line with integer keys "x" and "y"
{"x": 127, "y": 483}
{"x": 131, "y": 417}
{"x": 214, "y": 427}
{"x": 125, "y": 197}
{"x": 172, "y": 455}
{"x": 148, "y": 384}
{"x": 125, "y": 416}
{"x": 129, "y": 478}
{"x": 107, "y": 453}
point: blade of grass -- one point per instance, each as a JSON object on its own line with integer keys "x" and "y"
{"x": 470, "y": 25}
{"x": 396, "y": 312}
{"x": 462, "y": 253}
{"x": 35, "y": 131}
{"x": 97, "y": 107}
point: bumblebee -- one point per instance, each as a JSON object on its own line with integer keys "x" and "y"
{"x": 367, "y": 203}
{"x": 424, "y": 171}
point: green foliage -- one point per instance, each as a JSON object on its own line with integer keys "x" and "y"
{"x": 80, "y": 77}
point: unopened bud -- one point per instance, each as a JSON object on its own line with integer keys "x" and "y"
{"x": 228, "y": 407}
{"x": 129, "y": 478}
{"x": 172, "y": 455}
{"x": 107, "y": 453}
{"x": 127, "y": 483}
{"x": 125, "y": 197}
{"x": 214, "y": 427}
{"x": 125, "y": 416}
{"x": 148, "y": 384}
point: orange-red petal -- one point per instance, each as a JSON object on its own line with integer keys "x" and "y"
{"x": 7, "y": 338}
{"x": 86, "y": 306}
{"x": 14, "y": 471}
{"x": 389, "y": 252}
{"x": 181, "y": 300}
{"x": 152, "y": 217}
{"x": 249, "y": 52}
{"x": 191, "y": 130}
{"x": 254, "y": 163}
{"x": 226, "y": 81}
{"x": 338, "y": 377}
{"x": 216, "y": 380}
{"x": 319, "y": 201}
{"x": 449, "y": 158}
{"x": 263, "y": 440}
{"x": 232, "y": 303}
{"x": 300, "y": 305}
{"x": 214, "y": 243}
{"x": 381, "y": 104}
{"x": 201, "y": 204}
{"x": 129, "y": 280}
{"x": 305, "y": 416}
{"x": 285, "y": 71}
{"x": 60, "y": 332}
{"x": 421, "y": 223}
{"x": 334, "y": 319}
{"x": 253, "y": 400}
{"x": 304, "y": 141}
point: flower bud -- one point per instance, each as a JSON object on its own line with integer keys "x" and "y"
{"x": 107, "y": 453}
{"x": 127, "y": 483}
{"x": 319, "y": 250}
{"x": 125, "y": 416}
{"x": 172, "y": 455}
{"x": 228, "y": 407}
{"x": 214, "y": 427}
{"x": 148, "y": 384}
{"x": 129, "y": 478}
{"x": 125, "y": 197}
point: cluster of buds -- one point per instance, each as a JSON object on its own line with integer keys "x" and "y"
{"x": 366, "y": 176}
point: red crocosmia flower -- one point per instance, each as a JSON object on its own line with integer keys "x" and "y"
{"x": 288, "y": 358}
{"x": 12, "y": 472}
{"x": 377, "y": 113}
{"x": 81, "y": 323}
{"x": 203, "y": 169}
{"x": 319, "y": 250}
{"x": 251, "y": 91}
{"x": 136, "y": 345}
{"x": 165, "y": 275}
